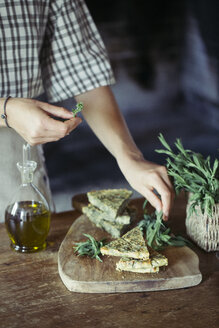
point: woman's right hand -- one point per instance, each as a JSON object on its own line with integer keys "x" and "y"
{"x": 32, "y": 120}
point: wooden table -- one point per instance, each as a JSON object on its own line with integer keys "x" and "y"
{"x": 33, "y": 295}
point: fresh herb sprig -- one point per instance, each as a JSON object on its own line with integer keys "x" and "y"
{"x": 158, "y": 235}
{"x": 90, "y": 247}
{"x": 193, "y": 173}
{"x": 79, "y": 108}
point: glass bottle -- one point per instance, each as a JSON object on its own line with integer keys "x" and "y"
{"x": 27, "y": 217}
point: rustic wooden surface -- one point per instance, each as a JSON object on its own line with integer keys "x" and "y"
{"x": 86, "y": 275}
{"x": 33, "y": 295}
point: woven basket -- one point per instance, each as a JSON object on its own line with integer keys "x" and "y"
{"x": 202, "y": 229}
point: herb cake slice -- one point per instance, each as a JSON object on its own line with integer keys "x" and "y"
{"x": 99, "y": 215}
{"x": 157, "y": 259}
{"x": 111, "y": 201}
{"x": 139, "y": 266}
{"x": 152, "y": 265}
{"x": 131, "y": 245}
{"x": 95, "y": 215}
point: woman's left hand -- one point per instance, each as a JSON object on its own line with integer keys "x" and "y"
{"x": 146, "y": 177}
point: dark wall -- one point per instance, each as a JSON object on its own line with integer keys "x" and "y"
{"x": 142, "y": 34}
{"x": 200, "y": 74}
{"x": 165, "y": 58}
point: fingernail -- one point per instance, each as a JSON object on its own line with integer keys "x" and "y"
{"x": 165, "y": 218}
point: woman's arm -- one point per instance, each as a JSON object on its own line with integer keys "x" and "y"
{"x": 102, "y": 114}
{"x": 32, "y": 120}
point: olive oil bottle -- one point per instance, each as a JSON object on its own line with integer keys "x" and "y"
{"x": 27, "y": 223}
{"x": 27, "y": 217}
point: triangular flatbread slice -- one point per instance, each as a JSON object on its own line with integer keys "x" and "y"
{"x": 143, "y": 266}
{"x": 131, "y": 245}
{"x": 135, "y": 237}
{"x": 113, "y": 228}
{"x": 157, "y": 259}
{"x": 139, "y": 266}
{"x": 111, "y": 201}
{"x": 98, "y": 215}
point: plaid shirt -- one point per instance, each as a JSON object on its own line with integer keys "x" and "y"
{"x": 50, "y": 46}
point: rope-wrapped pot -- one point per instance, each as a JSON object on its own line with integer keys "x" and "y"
{"x": 202, "y": 229}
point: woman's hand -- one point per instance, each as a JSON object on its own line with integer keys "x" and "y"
{"x": 32, "y": 120}
{"x": 145, "y": 177}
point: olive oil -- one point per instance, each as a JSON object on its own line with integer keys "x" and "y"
{"x": 27, "y": 217}
{"x": 27, "y": 223}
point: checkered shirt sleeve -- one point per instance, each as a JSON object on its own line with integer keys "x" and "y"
{"x": 51, "y": 46}
{"x": 74, "y": 58}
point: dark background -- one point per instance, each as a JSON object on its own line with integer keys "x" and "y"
{"x": 165, "y": 56}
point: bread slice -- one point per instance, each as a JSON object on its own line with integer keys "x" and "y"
{"x": 135, "y": 237}
{"x": 139, "y": 266}
{"x": 111, "y": 201}
{"x": 131, "y": 245}
{"x": 143, "y": 266}
{"x": 93, "y": 212}
{"x": 157, "y": 259}
{"x": 147, "y": 270}
{"x": 113, "y": 228}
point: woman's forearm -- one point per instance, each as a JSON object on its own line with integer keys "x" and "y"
{"x": 103, "y": 116}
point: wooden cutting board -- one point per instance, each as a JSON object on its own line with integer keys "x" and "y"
{"x": 86, "y": 275}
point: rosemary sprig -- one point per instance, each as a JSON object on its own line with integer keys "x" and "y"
{"x": 90, "y": 247}
{"x": 79, "y": 108}
{"x": 158, "y": 235}
{"x": 191, "y": 172}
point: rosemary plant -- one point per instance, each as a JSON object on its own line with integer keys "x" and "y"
{"x": 158, "y": 235}
{"x": 90, "y": 247}
{"x": 193, "y": 173}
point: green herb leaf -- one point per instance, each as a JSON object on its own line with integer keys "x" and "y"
{"x": 158, "y": 235}
{"x": 163, "y": 141}
{"x": 90, "y": 247}
{"x": 191, "y": 172}
{"x": 79, "y": 108}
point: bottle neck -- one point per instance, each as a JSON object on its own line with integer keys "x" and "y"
{"x": 26, "y": 178}
{"x": 27, "y": 171}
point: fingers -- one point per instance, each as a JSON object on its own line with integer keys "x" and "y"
{"x": 166, "y": 194}
{"x": 72, "y": 123}
{"x": 157, "y": 179}
{"x": 55, "y": 110}
{"x": 146, "y": 177}
{"x": 171, "y": 195}
{"x": 34, "y": 123}
{"x": 153, "y": 199}
{"x": 52, "y": 130}
{"x": 164, "y": 203}
{"x": 54, "y": 127}
{"x": 165, "y": 177}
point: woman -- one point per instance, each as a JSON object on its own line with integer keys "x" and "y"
{"x": 53, "y": 46}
